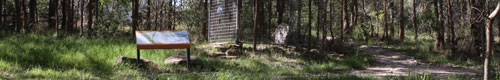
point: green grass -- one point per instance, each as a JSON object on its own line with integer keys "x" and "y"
{"x": 40, "y": 56}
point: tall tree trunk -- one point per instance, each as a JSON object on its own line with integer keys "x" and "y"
{"x": 97, "y": 10}
{"x": 299, "y": 21}
{"x": 90, "y": 7}
{"x": 477, "y": 25}
{"x": 488, "y": 40}
{"x": 72, "y": 17}
{"x": 33, "y": 13}
{"x": 332, "y": 17}
{"x": 255, "y": 23}
{"x": 170, "y": 13}
{"x": 392, "y": 17}
{"x": 385, "y": 20}
{"x": 309, "y": 39}
{"x": 81, "y": 16}
{"x": 270, "y": 13}
{"x": 363, "y": 20}
{"x": 377, "y": 32}
{"x": 2, "y": 15}
{"x": 161, "y": 15}
{"x": 345, "y": 24}
{"x": 135, "y": 16}
{"x": 439, "y": 36}
{"x": 52, "y": 13}
{"x": 205, "y": 20}
{"x": 25, "y": 16}
{"x": 325, "y": 16}
{"x": 415, "y": 19}
{"x": 260, "y": 22}
{"x": 402, "y": 21}
{"x": 56, "y": 18}
{"x": 318, "y": 19}
{"x": 451, "y": 27}
{"x": 148, "y": 14}
{"x": 65, "y": 9}
{"x": 174, "y": 12}
{"x": 279, "y": 8}
{"x": 19, "y": 15}
{"x": 354, "y": 16}
{"x": 157, "y": 16}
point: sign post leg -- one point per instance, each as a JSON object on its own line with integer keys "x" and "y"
{"x": 188, "y": 58}
{"x": 138, "y": 56}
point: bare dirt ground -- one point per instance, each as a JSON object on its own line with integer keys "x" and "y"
{"x": 392, "y": 63}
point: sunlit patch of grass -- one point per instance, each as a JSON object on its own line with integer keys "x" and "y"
{"x": 325, "y": 67}
{"x": 8, "y": 68}
{"x": 358, "y": 60}
{"x": 40, "y": 73}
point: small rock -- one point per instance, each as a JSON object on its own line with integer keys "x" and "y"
{"x": 221, "y": 48}
{"x": 233, "y": 51}
{"x": 179, "y": 58}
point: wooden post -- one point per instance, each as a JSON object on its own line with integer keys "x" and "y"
{"x": 138, "y": 56}
{"x": 188, "y": 58}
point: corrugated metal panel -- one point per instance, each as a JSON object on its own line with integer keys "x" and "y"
{"x": 223, "y": 20}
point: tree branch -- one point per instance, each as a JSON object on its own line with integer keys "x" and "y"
{"x": 495, "y": 12}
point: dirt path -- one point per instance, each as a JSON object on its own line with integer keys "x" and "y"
{"x": 391, "y": 63}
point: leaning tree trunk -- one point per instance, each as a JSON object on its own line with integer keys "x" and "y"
{"x": 488, "y": 41}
